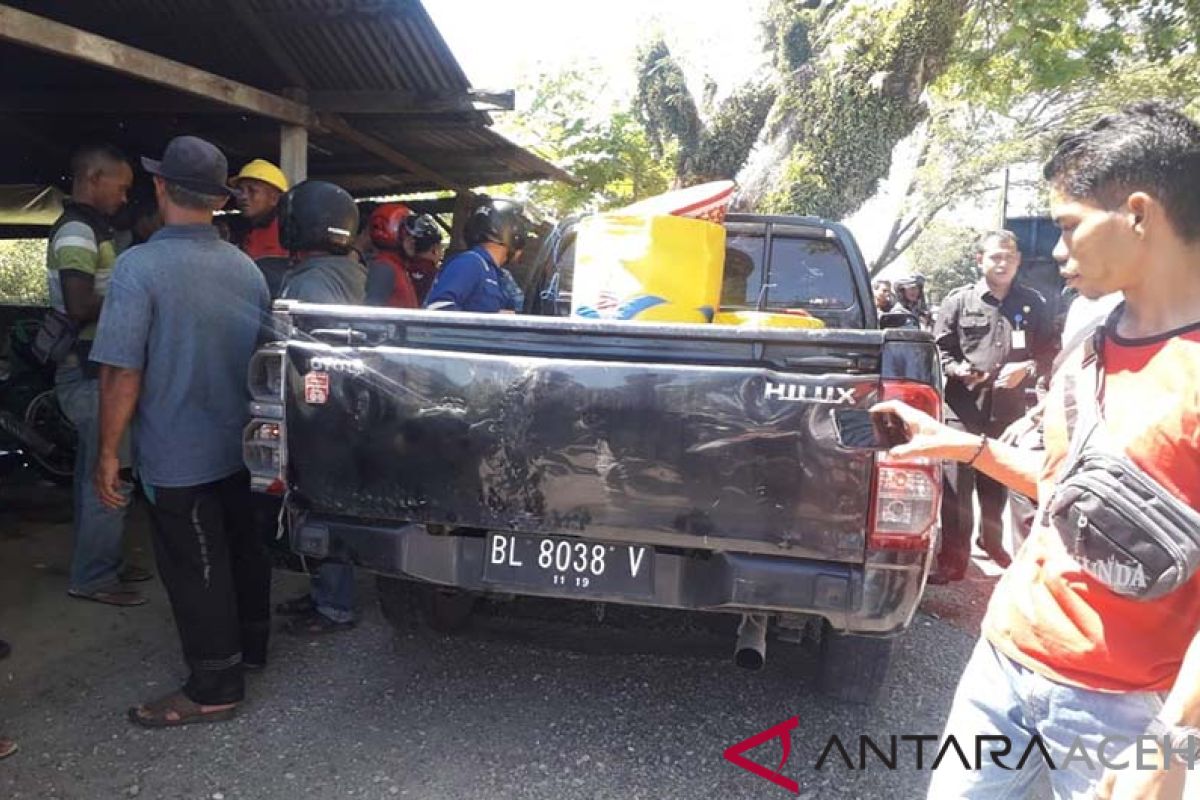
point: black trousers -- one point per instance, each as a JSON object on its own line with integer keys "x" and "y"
{"x": 217, "y": 573}
{"x": 960, "y": 485}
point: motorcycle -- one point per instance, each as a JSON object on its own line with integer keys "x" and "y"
{"x": 33, "y": 429}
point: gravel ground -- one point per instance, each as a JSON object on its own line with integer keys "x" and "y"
{"x": 537, "y": 702}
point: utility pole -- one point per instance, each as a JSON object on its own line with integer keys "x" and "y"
{"x": 1003, "y": 202}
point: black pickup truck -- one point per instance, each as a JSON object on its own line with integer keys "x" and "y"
{"x": 677, "y": 466}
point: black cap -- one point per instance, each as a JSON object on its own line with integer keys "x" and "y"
{"x": 194, "y": 164}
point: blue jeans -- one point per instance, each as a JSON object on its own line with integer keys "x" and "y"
{"x": 998, "y": 697}
{"x": 97, "y": 555}
{"x": 333, "y": 591}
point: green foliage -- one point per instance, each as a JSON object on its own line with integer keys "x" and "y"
{"x": 606, "y": 148}
{"x": 729, "y": 135}
{"x": 945, "y": 255}
{"x": 1009, "y": 49}
{"x": 787, "y": 33}
{"x": 706, "y": 150}
{"x": 664, "y": 102}
{"x": 987, "y": 83}
{"x": 863, "y": 96}
{"x": 23, "y": 271}
{"x": 1164, "y": 28}
{"x": 964, "y": 144}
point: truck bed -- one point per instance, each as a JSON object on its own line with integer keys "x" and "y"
{"x": 689, "y": 436}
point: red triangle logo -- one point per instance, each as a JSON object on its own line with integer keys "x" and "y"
{"x": 782, "y": 732}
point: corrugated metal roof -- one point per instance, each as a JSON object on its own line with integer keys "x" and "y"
{"x": 322, "y": 45}
{"x": 337, "y": 44}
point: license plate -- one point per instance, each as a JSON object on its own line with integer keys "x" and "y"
{"x": 569, "y": 565}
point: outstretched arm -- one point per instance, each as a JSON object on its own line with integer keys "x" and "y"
{"x": 1015, "y": 467}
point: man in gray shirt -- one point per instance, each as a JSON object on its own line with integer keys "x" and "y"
{"x": 182, "y": 319}
{"x": 318, "y": 221}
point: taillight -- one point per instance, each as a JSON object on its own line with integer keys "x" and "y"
{"x": 266, "y": 375}
{"x": 906, "y": 495}
{"x": 262, "y": 450}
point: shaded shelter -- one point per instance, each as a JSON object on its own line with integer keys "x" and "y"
{"x": 364, "y": 93}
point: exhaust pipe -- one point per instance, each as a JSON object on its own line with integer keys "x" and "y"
{"x": 751, "y": 650}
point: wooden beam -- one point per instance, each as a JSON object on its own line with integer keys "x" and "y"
{"x": 400, "y": 102}
{"x": 425, "y": 155}
{"x": 153, "y": 100}
{"x": 343, "y": 130}
{"x": 354, "y": 180}
{"x": 108, "y": 102}
{"x": 30, "y": 30}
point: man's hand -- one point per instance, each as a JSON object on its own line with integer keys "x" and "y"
{"x": 928, "y": 438}
{"x": 970, "y": 376}
{"x": 1014, "y": 433}
{"x": 108, "y": 482}
{"x": 976, "y": 378}
{"x": 1012, "y": 375}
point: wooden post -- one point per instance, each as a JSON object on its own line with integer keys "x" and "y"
{"x": 30, "y": 30}
{"x": 293, "y": 144}
{"x": 464, "y": 204}
{"x": 293, "y": 153}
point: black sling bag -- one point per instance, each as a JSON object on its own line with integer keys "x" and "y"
{"x": 1120, "y": 524}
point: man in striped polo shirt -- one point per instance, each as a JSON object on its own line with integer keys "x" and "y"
{"x": 80, "y": 259}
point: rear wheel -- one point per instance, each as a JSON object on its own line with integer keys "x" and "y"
{"x": 853, "y": 668}
{"x": 46, "y": 418}
{"x": 445, "y": 610}
{"x": 395, "y": 600}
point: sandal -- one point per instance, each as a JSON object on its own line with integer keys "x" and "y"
{"x": 134, "y": 574}
{"x": 175, "y": 709}
{"x": 7, "y": 747}
{"x": 297, "y": 606}
{"x": 111, "y": 597}
{"x": 315, "y": 624}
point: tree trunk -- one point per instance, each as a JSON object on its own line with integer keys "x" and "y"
{"x": 830, "y": 134}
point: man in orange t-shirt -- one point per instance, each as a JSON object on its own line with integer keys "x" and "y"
{"x": 1065, "y": 662}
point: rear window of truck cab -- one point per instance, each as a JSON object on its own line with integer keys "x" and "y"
{"x": 802, "y": 272}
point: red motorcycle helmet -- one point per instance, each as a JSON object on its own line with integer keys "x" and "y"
{"x": 387, "y": 225}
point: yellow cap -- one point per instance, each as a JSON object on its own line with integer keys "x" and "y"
{"x": 262, "y": 170}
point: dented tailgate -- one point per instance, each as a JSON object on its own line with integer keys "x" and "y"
{"x": 544, "y": 431}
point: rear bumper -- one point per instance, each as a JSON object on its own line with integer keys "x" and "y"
{"x": 878, "y": 597}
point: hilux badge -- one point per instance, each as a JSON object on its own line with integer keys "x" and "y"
{"x": 797, "y": 392}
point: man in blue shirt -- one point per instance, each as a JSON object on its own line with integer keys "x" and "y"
{"x": 183, "y": 316}
{"x": 472, "y": 281}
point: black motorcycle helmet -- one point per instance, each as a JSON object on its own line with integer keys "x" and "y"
{"x": 499, "y": 221}
{"x": 424, "y": 232}
{"x": 317, "y": 215}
